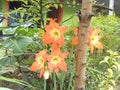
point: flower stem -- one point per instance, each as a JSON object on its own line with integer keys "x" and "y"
{"x": 44, "y": 84}
{"x": 54, "y": 76}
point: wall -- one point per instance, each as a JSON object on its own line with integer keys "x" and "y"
{"x": 117, "y": 7}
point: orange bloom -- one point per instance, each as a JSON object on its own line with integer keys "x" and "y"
{"x": 56, "y": 60}
{"x": 93, "y": 39}
{"x": 75, "y": 39}
{"x": 54, "y": 33}
{"x": 39, "y": 64}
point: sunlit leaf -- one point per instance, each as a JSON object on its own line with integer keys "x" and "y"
{"x": 110, "y": 87}
{"x": 117, "y": 65}
{"x": 56, "y": 6}
{"x": 102, "y": 83}
{"x": 105, "y": 60}
{"x": 112, "y": 82}
{"x": 110, "y": 72}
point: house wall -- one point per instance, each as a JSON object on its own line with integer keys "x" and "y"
{"x": 117, "y": 7}
{"x": 106, "y": 2}
{"x": 106, "y": 5}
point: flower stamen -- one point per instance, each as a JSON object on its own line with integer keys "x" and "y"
{"x": 55, "y": 33}
{"x": 55, "y": 60}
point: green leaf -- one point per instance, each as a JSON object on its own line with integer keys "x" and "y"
{"x": 17, "y": 44}
{"x": 112, "y": 82}
{"x": 17, "y": 81}
{"x": 74, "y": 2}
{"x": 116, "y": 65}
{"x": 102, "y": 83}
{"x": 105, "y": 60}
{"x": 7, "y": 61}
{"x": 110, "y": 87}
{"x": 3, "y": 88}
{"x": 110, "y": 72}
{"x": 47, "y": 6}
{"x": 2, "y": 53}
{"x": 24, "y": 31}
{"x": 56, "y": 6}
{"x": 61, "y": 5}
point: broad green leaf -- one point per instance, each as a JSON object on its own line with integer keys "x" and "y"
{"x": 7, "y": 61}
{"x": 16, "y": 81}
{"x": 17, "y": 44}
{"x": 3, "y": 88}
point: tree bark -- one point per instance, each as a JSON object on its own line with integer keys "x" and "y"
{"x": 84, "y": 18}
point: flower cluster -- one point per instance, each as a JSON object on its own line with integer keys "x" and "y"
{"x": 47, "y": 63}
{"x": 53, "y": 36}
{"x": 93, "y": 39}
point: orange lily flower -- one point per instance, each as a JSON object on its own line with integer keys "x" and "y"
{"x": 54, "y": 33}
{"x": 56, "y": 60}
{"x": 93, "y": 39}
{"x": 75, "y": 39}
{"x": 39, "y": 64}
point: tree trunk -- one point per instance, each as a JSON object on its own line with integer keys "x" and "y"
{"x": 84, "y": 18}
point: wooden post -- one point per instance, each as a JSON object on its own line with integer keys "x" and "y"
{"x": 60, "y": 12}
{"x": 56, "y": 13}
{"x": 81, "y": 52}
{"x": 6, "y": 13}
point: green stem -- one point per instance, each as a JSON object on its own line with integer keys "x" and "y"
{"x": 107, "y": 83}
{"x": 70, "y": 82}
{"x": 44, "y": 84}
{"x": 62, "y": 80}
{"x": 54, "y": 78}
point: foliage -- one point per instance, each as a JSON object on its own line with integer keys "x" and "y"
{"x": 25, "y": 42}
{"x": 110, "y": 30}
{"x": 17, "y": 81}
{"x": 96, "y": 73}
{"x": 112, "y": 68}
